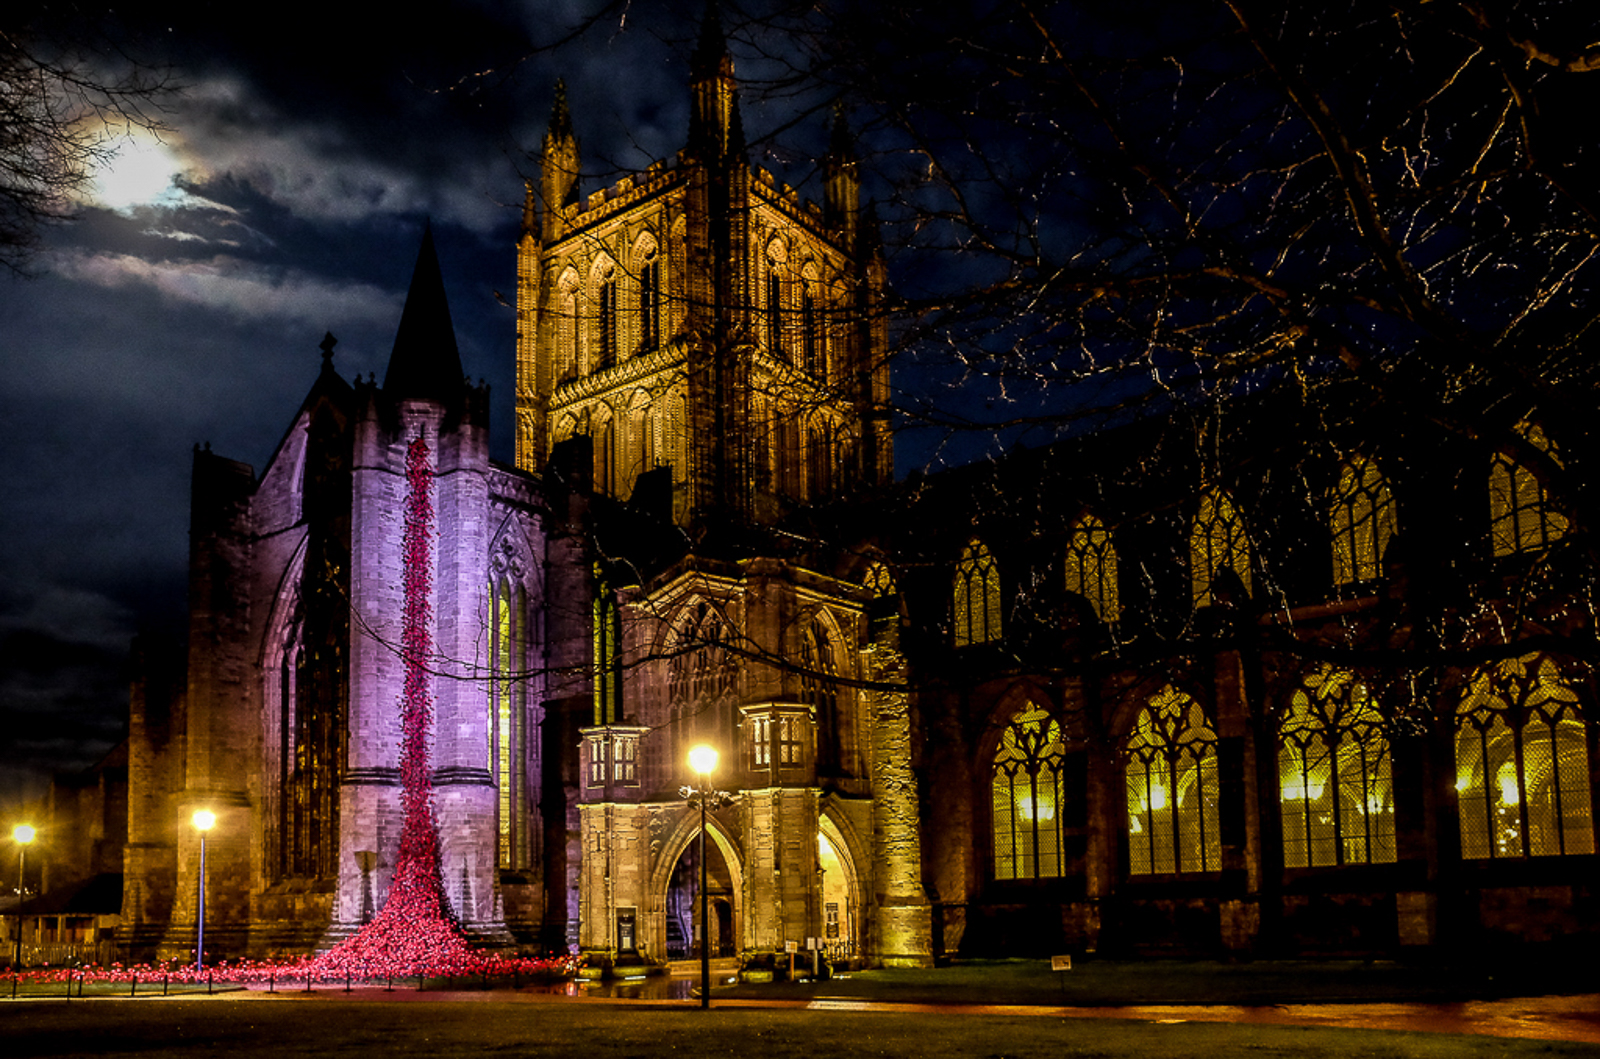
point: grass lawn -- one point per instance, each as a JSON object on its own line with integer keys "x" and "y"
{"x": 480, "y": 1025}
{"x": 1111, "y": 983}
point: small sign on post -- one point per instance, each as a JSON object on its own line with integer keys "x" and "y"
{"x": 791, "y": 947}
{"x": 1063, "y": 964}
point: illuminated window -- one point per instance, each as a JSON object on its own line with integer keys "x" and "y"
{"x": 604, "y": 430}
{"x": 1522, "y": 763}
{"x": 819, "y": 688}
{"x": 700, "y": 683}
{"x": 879, "y": 581}
{"x": 760, "y": 741}
{"x": 1521, "y": 518}
{"x": 1092, "y": 567}
{"x": 1362, "y": 521}
{"x": 649, "y": 300}
{"x": 977, "y": 596}
{"x": 507, "y": 748}
{"x": 1333, "y": 768}
{"x": 1028, "y": 798}
{"x": 607, "y": 653}
{"x": 603, "y": 339}
{"x": 1172, "y": 788}
{"x": 1217, "y": 542}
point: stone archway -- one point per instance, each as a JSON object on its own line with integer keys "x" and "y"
{"x": 843, "y": 920}
{"x": 675, "y": 882}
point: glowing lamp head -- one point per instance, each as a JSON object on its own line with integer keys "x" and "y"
{"x": 204, "y": 819}
{"x": 22, "y": 834}
{"x": 703, "y": 760}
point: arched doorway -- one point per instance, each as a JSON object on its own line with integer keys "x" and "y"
{"x": 841, "y": 926}
{"x": 682, "y": 906}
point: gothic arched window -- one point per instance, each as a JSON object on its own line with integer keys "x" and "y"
{"x": 1521, "y": 517}
{"x": 567, "y": 356}
{"x": 507, "y": 712}
{"x": 700, "y": 682}
{"x": 1217, "y": 542}
{"x": 648, "y": 266}
{"x": 1362, "y": 521}
{"x": 1172, "y": 788}
{"x": 977, "y": 596}
{"x": 811, "y": 344}
{"x": 603, "y": 339}
{"x": 604, "y": 432}
{"x": 1027, "y": 797}
{"x": 819, "y": 689}
{"x": 1092, "y": 567}
{"x": 772, "y": 294}
{"x": 1522, "y": 763}
{"x": 1333, "y": 770}
{"x": 607, "y": 628}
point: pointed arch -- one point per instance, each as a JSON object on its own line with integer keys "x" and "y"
{"x": 1361, "y": 522}
{"x": 602, "y": 315}
{"x": 566, "y": 354}
{"x": 977, "y": 596}
{"x": 1523, "y": 782}
{"x": 1217, "y": 542}
{"x": 1335, "y": 791}
{"x": 1026, "y": 797}
{"x": 647, "y": 288}
{"x": 603, "y": 430}
{"x": 1092, "y": 567}
{"x": 1172, "y": 787}
{"x": 1521, "y": 516}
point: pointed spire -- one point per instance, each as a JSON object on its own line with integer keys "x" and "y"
{"x": 529, "y": 213}
{"x": 713, "y": 46}
{"x": 713, "y": 114}
{"x": 560, "y": 117}
{"x": 425, "y": 361}
{"x": 841, "y": 144}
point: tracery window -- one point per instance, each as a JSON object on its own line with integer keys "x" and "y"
{"x": 810, "y": 336}
{"x": 1522, "y": 763}
{"x": 1521, "y": 517}
{"x": 507, "y": 713}
{"x": 879, "y": 581}
{"x": 1362, "y": 522}
{"x": 1027, "y": 797}
{"x": 604, "y": 337}
{"x": 1333, "y": 768}
{"x": 1217, "y": 542}
{"x": 1092, "y": 567}
{"x": 773, "y": 297}
{"x": 977, "y": 596}
{"x": 700, "y": 682}
{"x": 1172, "y": 788}
{"x": 604, "y": 432}
{"x": 607, "y": 630}
{"x": 819, "y": 689}
{"x": 649, "y": 299}
{"x": 567, "y": 331}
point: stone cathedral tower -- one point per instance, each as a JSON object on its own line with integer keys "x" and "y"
{"x": 698, "y": 331}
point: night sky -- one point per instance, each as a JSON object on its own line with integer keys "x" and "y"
{"x": 286, "y": 198}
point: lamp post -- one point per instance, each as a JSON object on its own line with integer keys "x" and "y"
{"x": 22, "y": 834}
{"x": 703, "y": 760}
{"x": 204, "y": 820}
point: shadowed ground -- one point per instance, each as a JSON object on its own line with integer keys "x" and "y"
{"x": 510, "y": 1024}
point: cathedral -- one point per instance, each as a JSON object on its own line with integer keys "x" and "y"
{"x": 1115, "y": 695}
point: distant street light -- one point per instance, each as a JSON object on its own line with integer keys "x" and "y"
{"x": 703, "y": 760}
{"x": 204, "y": 820}
{"x": 22, "y": 834}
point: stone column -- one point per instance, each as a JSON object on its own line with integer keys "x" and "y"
{"x": 902, "y": 919}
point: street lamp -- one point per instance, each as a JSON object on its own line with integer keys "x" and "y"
{"x": 203, "y": 820}
{"x": 703, "y": 760}
{"x": 22, "y": 834}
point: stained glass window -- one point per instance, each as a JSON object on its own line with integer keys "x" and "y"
{"x": 1522, "y": 763}
{"x": 1521, "y": 518}
{"x": 1333, "y": 768}
{"x": 1092, "y": 567}
{"x": 1172, "y": 788}
{"x": 1217, "y": 541}
{"x": 977, "y": 596}
{"x": 507, "y": 749}
{"x": 1027, "y": 793}
{"x": 1362, "y": 521}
